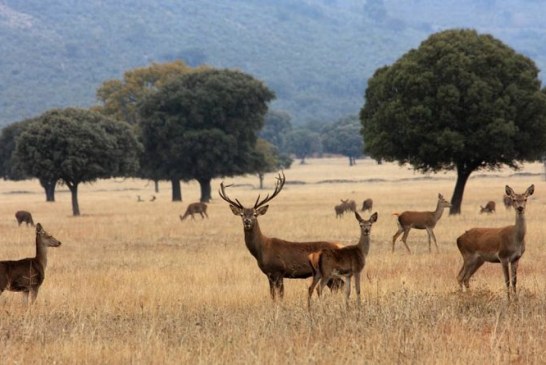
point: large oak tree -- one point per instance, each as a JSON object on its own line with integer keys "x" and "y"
{"x": 77, "y": 146}
{"x": 461, "y": 101}
{"x": 203, "y": 125}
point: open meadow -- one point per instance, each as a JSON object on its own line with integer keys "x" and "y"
{"x": 132, "y": 284}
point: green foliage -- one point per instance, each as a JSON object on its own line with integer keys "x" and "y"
{"x": 120, "y": 98}
{"x": 204, "y": 125}
{"x": 343, "y": 137}
{"x": 75, "y": 146}
{"x": 303, "y": 142}
{"x": 10, "y": 169}
{"x": 460, "y": 101}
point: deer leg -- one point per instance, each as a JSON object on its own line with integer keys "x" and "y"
{"x": 206, "y": 215}
{"x": 316, "y": 280}
{"x": 280, "y": 287}
{"x": 347, "y": 289}
{"x": 471, "y": 267}
{"x": 405, "y": 237}
{"x": 271, "y": 287}
{"x": 514, "y": 271}
{"x": 431, "y": 234}
{"x": 396, "y": 235}
{"x": 33, "y": 294}
{"x": 357, "y": 288}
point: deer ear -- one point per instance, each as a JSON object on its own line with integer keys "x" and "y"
{"x": 235, "y": 210}
{"x": 374, "y": 217}
{"x": 509, "y": 190}
{"x": 358, "y": 217}
{"x": 530, "y": 190}
{"x": 262, "y": 210}
{"x": 39, "y": 228}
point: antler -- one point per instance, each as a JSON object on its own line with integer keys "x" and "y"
{"x": 278, "y": 187}
{"x": 224, "y": 196}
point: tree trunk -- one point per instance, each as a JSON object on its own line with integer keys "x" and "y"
{"x": 156, "y": 186}
{"x": 261, "y": 177}
{"x": 177, "y": 190}
{"x": 457, "y": 198}
{"x": 49, "y": 188}
{"x": 204, "y": 184}
{"x": 74, "y": 192}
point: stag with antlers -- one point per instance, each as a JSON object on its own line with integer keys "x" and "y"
{"x": 277, "y": 258}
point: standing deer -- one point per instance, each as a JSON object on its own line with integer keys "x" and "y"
{"x": 489, "y": 207}
{"x": 507, "y": 201}
{"x": 503, "y": 245}
{"x": 195, "y": 208}
{"x": 346, "y": 205}
{"x": 345, "y": 262}
{"x": 24, "y": 216}
{"x": 420, "y": 220}
{"x": 277, "y": 258}
{"x": 367, "y": 205}
{"x": 28, "y": 274}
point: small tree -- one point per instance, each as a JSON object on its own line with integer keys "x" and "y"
{"x": 343, "y": 137}
{"x": 303, "y": 142}
{"x": 77, "y": 146}
{"x": 461, "y": 101}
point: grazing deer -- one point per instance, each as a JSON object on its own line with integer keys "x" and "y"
{"x": 28, "y": 274}
{"x": 346, "y": 205}
{"x": 420, "y": 220}
{"x": 277, "y": 258}
{"x": 195, "y": 208}
{"x": 498, "y": 245}
{"x": 507, "y": 201}
{"x": 346, "y": 262}
{"x": 367, "y": 205}
{"x": 489, "y": 207}
{"x": 24, "y": 216}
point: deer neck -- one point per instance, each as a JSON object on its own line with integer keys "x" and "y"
{"x": 364, "y": 244}
{"x": 520, "y": 228}
{"x": 254, "y": 240}
{"x": 41, "y": 253}
{"x": 438, "y": 212}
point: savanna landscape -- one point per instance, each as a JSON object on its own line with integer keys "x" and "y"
{"x": 132, "y": 283}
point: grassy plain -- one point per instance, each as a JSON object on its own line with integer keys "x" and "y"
{"x": 131, "y": 284}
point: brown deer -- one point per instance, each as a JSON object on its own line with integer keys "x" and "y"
{"x": 277, "y": 258}
{"x": 346, "y": 262}
{"x": 489, "y": 207}
{"x": 195, "y": 208}
{"x": 28, "y": 274}
{"x": 367, "y": 205}
{"x": 420, "y": 220}
{"x": 498, "y": 245}
{"x": 507, "y": 201}
{"x": 346, "y": 205}
{"x": 24, "y": 216}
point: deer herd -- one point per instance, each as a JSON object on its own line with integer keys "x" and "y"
{"x": 326, "y": 262}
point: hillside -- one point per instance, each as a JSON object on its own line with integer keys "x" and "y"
{"x": 315, "y": 54}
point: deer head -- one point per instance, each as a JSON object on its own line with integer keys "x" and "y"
{"x": 46, "y": 238}
{"x": 519, "y": 200}
{"x": 366, "y": 225}
{"x": 250, "y": 215}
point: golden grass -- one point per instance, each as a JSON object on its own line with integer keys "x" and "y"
{"x": 133, "y": 284}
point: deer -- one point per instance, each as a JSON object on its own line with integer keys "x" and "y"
{"x": 346, "y": 205}
{"x": 277, "y": 258}
{"x": 24, "y": 216}
{"x": 503, "y": 245}
{"x": 195, "y": 208}
{"x": 489, "y": 207}
{"x": 367, "y": 205}
{"x": 27, "y": 275}
{"x": 420, "y": 220}
{"x": 507, "y": 201}
{"x": 344, "y": 262}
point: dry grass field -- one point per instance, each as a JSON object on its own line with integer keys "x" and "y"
{"x": 132, "y": 284}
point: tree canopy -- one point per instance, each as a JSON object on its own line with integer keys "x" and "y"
{"x": 204, "y": 125}
{"x": 462, "y": 101}
{"x": 303, "y": 142}
{"x": 343, "y": 138}
{"x": 77, "y": 146}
